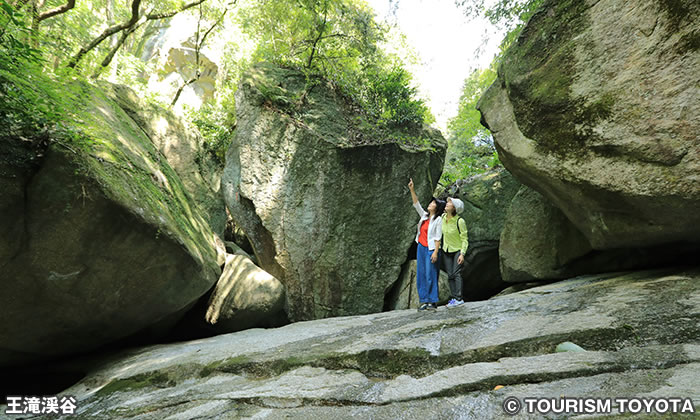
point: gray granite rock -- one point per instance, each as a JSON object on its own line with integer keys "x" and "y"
{"x": 595, "y": 106}
{"x": 324, "y": 204}
{"x": 640, "y": 331}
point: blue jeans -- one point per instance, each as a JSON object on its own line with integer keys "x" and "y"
{"x": 426, "y": 276}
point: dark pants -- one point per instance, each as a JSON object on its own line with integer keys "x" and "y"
{"x": 453, "y": 270}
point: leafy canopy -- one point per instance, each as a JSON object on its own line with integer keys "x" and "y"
{"x": 28, "y": 97}
{"x": 470, "y": 145}
{"x": 338, "y": 40}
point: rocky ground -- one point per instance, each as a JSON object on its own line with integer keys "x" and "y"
{"x": 640, "y": 332}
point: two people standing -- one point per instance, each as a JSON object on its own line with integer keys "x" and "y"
{"x": 436, "y": 230}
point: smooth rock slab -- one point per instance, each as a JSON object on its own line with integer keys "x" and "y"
{"x": 642, "y": 327}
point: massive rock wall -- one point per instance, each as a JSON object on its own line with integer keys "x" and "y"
{"x": 328, "y": 213}
{"x": 595, "y": 106}
{"x": 99, "y": 236}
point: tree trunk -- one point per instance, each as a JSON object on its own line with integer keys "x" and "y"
{"x": 320, "y": 34}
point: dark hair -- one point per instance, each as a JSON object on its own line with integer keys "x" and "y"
{"x": 439, "y": 206}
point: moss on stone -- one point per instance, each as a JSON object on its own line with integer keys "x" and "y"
{"x": 417, "y": 362}
{"x": 312, "y": 102}
{"x": 689, "y": 42}
{"x": 539, "y": 71}
{"x": 676, "y": 10}
{"x": 143, "y": 380}
{"x": 388, "y": 363}
{"x": 230, "y": 365}
{"x": 124, "y": 161}
{"x": 260, "y": 369}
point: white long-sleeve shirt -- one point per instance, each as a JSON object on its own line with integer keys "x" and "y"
{"x": 434, "y": 226}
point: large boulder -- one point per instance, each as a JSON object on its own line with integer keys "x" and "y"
{"x": 596, "y": 107}
{"x": 538, "y": 241}
{"x": 486, "y": 200}
{"x": 245, "y": 297}
{"x": 640, "y": 332}
{"x": 99, "y": 238}
{"x": 324, "y": 205}
{"x": 184, "y": 149}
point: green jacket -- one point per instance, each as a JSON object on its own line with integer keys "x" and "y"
{"x": 454, "y": 238}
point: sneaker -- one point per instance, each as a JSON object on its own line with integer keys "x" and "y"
{"x": 423, "y": 307}
{"x": 455, "y": 302}
{"x": 432, "y": 306}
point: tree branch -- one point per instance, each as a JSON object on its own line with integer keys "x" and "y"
{"x": 320, "y": 35}
{"x": 130, "y": 26}
{"x": 198, "y": 47}
{"x": 57, "y": 11}
{"x": 218, "y": 22}
{"x": 181, "y": 88}
{"x": 108, "y": 58}
{"x": 151, "y": 16}
{"x": 135, "y": 4}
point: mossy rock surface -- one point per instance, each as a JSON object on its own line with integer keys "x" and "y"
{"x": 595, "y": 107}
{"x": 183, "y": 148}
{"x": 639, "y": 330}
{"x": 100, "y": 237}
{"x": 327, "y": 211}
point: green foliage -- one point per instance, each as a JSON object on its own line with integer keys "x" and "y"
{"x": 389, "y": 97}
{"x": 27, "y": 96}
{"x": 336, "y": 40}
{"x": 470, "y": 145}
{"x": 507, "y": 14}
{"x": 216, "y": 122}
{"x": 327, "y": 35}
{"x": 339, "y": 41}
